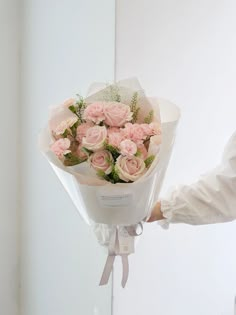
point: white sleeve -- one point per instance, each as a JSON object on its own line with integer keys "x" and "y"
{"x": 210, "y": 200}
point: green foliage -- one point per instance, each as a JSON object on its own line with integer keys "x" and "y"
{"x": 149, "y": 160}
{"x": 81, "y": 105}
{"x": 134, "y": 107}
{"x": 114, "y": 175}
{"x": 114, "y": 94}
{"x": 109, "y": 161}
{"x": 113, "y": 150}
{"x": 118, "y": 98}
{"x": 65, "y": 133}
{"x": 87, "y": 151}
{"x": 72, "y": 108}
{"x": 134, "y": 101}
{"x": 138, "y": 153}
{"x": 78, "y": 108}
{"x": 74, "y": 128}
{"x": 71, "y": 160}
{"x": 135, "y": 114}
{"x": 149, "y": 117}
{"x": 70, "y": 131}
{"x": 103, "y": 175}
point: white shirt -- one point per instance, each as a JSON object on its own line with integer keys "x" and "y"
{"x": 212, "y": 199}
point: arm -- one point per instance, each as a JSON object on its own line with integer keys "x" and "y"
{"x": 212, "y": 199}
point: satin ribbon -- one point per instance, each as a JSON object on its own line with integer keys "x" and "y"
{"x": 114, "y": 250}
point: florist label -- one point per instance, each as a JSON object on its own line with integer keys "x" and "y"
{"x": 123, "y": 200}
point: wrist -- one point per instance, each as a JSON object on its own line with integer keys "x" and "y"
{"x": 158, "y": 212}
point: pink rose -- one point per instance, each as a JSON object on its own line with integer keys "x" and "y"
{"x": 114, "y": 137}
{"x": 116, "y": 114}
{"x": 80, "y": 153}
{"x": 95, "y": 138}
{"x": 81, "y": 130}
{"x": 60, "y": 147}
{"x": 128, "y": 147}
{"x": 64, "y": 125}
{"x": 94, "y": 112}
{"x": 102, "y": 161}
{"x": 143, "y": 151}
{"x": 130, "y": 168}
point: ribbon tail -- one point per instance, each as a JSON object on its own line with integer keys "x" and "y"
{"x": 125, "y": 263}
{"x": 107, "y": 270}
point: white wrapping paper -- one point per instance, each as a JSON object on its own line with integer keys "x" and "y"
{"x": 112, "y": 209}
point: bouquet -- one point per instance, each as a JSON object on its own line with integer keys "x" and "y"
{"x": 109, "y": 153}
{"x": 112, "y": 136}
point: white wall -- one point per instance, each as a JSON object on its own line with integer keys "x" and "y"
{"x": 66, "y": 45}
{"x": 185, "y": 51}
{"x": 9, "y": 80}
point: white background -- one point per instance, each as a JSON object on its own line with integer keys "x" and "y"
{"x": 184, "y": 51}
{"x": 9, "y": 157}
{"x": 66, "y": 45}
{"x": 181, "y": 50}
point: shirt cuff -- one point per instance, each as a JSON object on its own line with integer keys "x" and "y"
{"x": 167, "y": 211}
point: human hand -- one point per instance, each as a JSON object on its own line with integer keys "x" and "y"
{"x": 156, "y": 213}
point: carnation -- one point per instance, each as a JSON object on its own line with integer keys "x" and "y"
{"x": 64, "y": 125}
{"x": 94, "y": 112}
{"x": 60, "y": 147}
{"x": 128, "y": 147}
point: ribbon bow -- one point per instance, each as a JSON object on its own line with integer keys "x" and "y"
{"x": 122, "y": 244}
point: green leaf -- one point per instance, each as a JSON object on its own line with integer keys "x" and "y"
{"x": 87, "y": 151}
{"x": 65, "y": 133}
{"x": 138, "y": 153}
{"x": 109, "y": 161}
{"x": 115, "y": 175}
{"x": 113, "y": 150}
{"x": 74, "y": 128}
{"x": 149, "y": 160}
{"x": 103, "y": 175}
{"x": 72, "y": 108}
